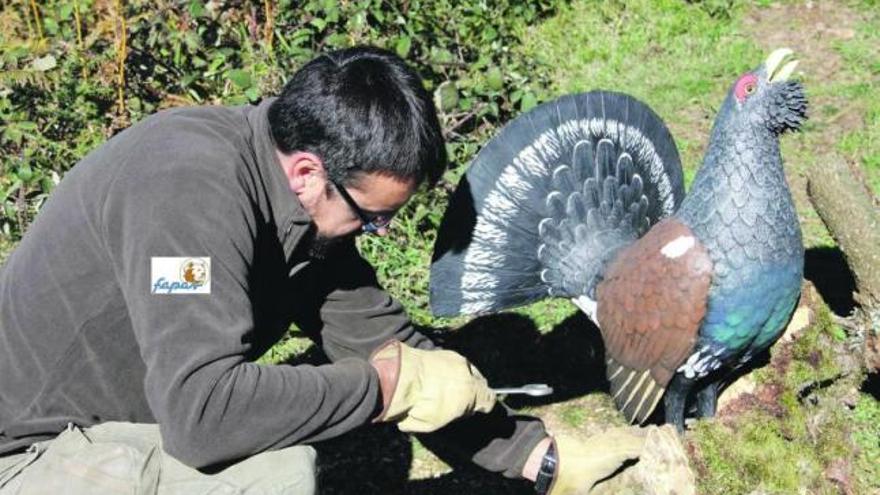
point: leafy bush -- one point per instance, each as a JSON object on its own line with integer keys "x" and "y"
{"x": 74, "y": 72}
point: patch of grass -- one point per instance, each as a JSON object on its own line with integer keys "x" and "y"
{"x": 292, "y": 345}
{"x": 752, "y": 456}
{"x": 862, "y": 57}
{"x": 845, "y": 114}
{"x": 812, "y": 358}
{"x": 573, "y": 415}
{"x": 792, "y": 448}
{"x": 762, "y": 452}
{"x": 402, "y": 259}
{"x": 863, "y": 145}
{"x": 866, "y": 435}
{"x": 549, "y": 313}
{"x": 678, "y": 57}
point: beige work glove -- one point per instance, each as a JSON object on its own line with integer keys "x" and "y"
{"x": 582, "y": 463}
{"x": 432, "y": 388}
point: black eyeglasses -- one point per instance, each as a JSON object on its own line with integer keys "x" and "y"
{"x": 369, "y": 223}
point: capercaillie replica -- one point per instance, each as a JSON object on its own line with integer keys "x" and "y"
{"x": 583, "y": 198}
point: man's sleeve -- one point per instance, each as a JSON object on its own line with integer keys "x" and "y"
{"x": 353, "y": 315}
{"x": 211, "y": 404}
{"x": 357, "y": 316}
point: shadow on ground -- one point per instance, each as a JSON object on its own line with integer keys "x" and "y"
{"x": 826, "y": 268}
{"x": 510, "y": 351}
{"x": 871, "y": 385}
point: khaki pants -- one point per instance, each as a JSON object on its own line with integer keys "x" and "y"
{"x": 115, "y": 458}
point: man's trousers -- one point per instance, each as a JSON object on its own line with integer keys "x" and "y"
{"x": 117, "y": 458}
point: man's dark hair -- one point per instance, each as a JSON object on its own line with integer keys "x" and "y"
{"x": 360, "y": 109}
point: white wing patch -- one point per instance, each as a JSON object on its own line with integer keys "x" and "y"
{"x": 588, "y": 306}
{"x": 678, "y": 247}
{"x": 701, "y": 363}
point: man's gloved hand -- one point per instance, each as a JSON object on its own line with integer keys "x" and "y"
{"x": 425, "y": 390}
{"x": 580, "y": 464}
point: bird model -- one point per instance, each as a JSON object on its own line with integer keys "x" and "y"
{"x": 583, "y": 198}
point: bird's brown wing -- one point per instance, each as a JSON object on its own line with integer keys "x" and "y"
{"x": 650, "y": 306}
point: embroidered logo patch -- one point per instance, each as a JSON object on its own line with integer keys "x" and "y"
{"x": 180, "y": 275}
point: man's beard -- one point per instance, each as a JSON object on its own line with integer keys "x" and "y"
{"x": 321, "y": 245}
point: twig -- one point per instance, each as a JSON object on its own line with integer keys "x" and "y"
{"x": 121, "y": 55}
{"x": 79, "y": 35}
{"x": 456, "y": 64}
{"x": 460, "y": 122}
{"x": 27, "y": 18}
{"x": 21, "y": 208}
{"x": 269, "y": 28}
{"x": 79, "y": 38}
{"x": 37, "y": 20}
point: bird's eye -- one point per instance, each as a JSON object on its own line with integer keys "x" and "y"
{"x": 746, "y": 86}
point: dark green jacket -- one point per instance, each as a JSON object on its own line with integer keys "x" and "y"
{"x": 84, "y": 338}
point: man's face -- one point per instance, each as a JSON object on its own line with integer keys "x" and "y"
{"x": 375, "y": 195}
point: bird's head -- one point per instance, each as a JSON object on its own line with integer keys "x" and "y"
{"x": 766, "y": 98}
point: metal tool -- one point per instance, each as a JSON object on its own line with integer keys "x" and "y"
{"x": 533, "y": 389}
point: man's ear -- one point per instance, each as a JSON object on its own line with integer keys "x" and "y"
{"x": 300, "y": 168}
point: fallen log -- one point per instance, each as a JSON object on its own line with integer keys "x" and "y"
{"x": 849, "y": 211}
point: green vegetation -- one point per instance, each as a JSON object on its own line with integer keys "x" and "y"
{"x": 754, "y": 455}
{"x": 866, "y": 434}
{"x": 812, "y": 353}
{"x": 862, "y": 145}
{"x": 798, "y": 436}
{"x": 286, "y": 350}
{"x": 679, "y": 57}
{"x": 76, "y": 71}
{"x": 573, "y": 415}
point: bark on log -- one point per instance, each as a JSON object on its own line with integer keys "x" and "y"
{"x": 847, "y": 208}
{"x": 848, "y": 211}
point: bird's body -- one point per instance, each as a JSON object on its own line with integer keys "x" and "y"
{"x": 586, "y": 201}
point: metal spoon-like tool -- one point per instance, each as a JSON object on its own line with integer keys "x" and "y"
{"x": 533, "y": 389}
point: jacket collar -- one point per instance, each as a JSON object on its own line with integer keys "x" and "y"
{"x": 287, "y": 210}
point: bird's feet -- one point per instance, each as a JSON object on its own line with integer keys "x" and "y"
{"x": 675, "y": 400}
{"x": 707, "y": 400}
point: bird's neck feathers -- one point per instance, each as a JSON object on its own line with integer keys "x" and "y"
{"x": 741, "y": 178}
{"x": 740, "y": 206}
{"x": 749, "y": 151}
{"x": 743, "y": 156}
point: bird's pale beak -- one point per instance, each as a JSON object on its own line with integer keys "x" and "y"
{"x": 776, "y": 70}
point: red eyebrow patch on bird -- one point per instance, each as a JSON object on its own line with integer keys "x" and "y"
{"x": 745, "y": 86}
{"x": 653, "y": 300}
